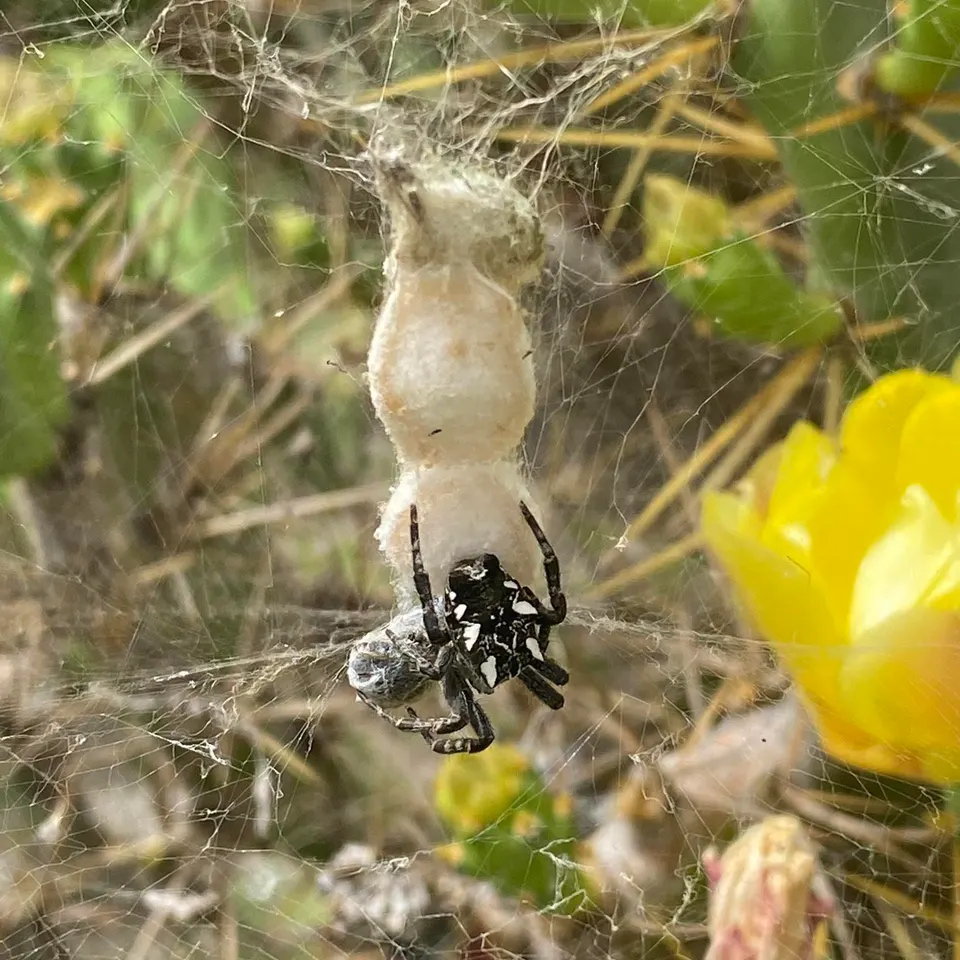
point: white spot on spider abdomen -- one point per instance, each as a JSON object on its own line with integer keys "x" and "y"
{"x": 471, "y": 633}
{"x": 524, "y": 607}
{"x": 510, "y": 585}
{"x": 460, "y": 610}
{"x": 534, "y": 647}
{"x": 489, "y": 670}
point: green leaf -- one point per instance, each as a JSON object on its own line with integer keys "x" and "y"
{"x": 681, "y": 222}
{"x": 926, "y": 49}
{"x": 879, "y": 209}
{"x": 743, "y": 288}
{"x": 121, "y": 119}
{"x": 33, "y": 396}
{"x": 183, "y": 190}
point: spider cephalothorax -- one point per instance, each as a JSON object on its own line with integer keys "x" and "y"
{"x": 488, "y": 629}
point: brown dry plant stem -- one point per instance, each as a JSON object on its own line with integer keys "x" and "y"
{"x": 638, "y": 163}
{"x": 653, "y": 71}
{"x": 571, "y": 50}
{"x": 635, "y": 139}
{"x": 721, "y": 438}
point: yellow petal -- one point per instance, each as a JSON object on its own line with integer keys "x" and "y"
{"x": 930, "y": 450}
{"x": 759, "y": 481}
{"x": 806, "y": 460}
{"x": 854, "y": 746}
{"x": 843, "y": 522}
{"x": 915, "y": 563}
{"x": 901, "y": 683}
{"x": 874, "y": 421}
{"x": 784, "y": 601}
{"x": 789, "y": 607}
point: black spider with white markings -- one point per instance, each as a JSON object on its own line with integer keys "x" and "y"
{"x": 491, "y": 629}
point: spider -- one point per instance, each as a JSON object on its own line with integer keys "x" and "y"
{"x": 491, "y": 629}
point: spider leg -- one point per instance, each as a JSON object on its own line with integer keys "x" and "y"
{"x": 552, "y": 671}
{"x": 540, "y": 688}
{"x": 547, "y": 621}
{"x": 437, "y": 726}
{"x": 543, "y": 637}
{"x": 438, "y": 634}
{"x": 464, "y": 701}
{"x": 551, "y": 568}
{"x": 433, "y": 669}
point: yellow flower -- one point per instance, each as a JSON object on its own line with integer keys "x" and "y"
{"x": 473, "y": 791}
{"x": 846, "y": 556}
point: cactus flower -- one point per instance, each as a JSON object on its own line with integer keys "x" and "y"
{"x": 764, "y": 901}
{"x": 510, "y": 827}
{"x": 475, "y": 791}
{"x": 845, "y": 554}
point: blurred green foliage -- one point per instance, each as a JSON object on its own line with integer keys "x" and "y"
{"x": 715, "y": 269}
{"x": 745, "y": 291}
{"x": 508, "y": 827}
{"x": 93, "y": 137}
{"x": 879, "y": 207}
{"x": 925, "y": 49}
{"x": 33, "y": 398}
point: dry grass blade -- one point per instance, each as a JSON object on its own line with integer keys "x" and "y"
{"x": 228, "y": 930}
{"x": 338, "y": 285}
{"x": 943, "y": 101}
{"x": 833, "y": 395}
{"x": 663, "y": 559}
{"x": 283, "y": 418}
{"x": 216, "y": 452}
{"x": 652, "y": 71}
{"x": 159, "y": 569}
{"x": 287, "y": 510}
{"x": 283, "y": 756}
{"x": 661, "y": 433}
{"x": 158, "y": 916}
{"x": 208, "y": 430}
{"x": 719, "y": 440}
{"x": 856, "y": 829}
{"x": 902, "y": 902}
{"x": 866, "y": 332}
{"x": 530, "y": 56}
{"x": 712, "y": 122}
{"x": 638, "y": 162}
{"x": 842, "y": 118}
{"x": 782, "y": 391}
{"x": 930, "y": 135}
{"x": 134, "y": 348}
{"x": 90, "y": 222}
{"x": 897, "y": 930}
{"x": 765, "y": 205}
{"x": 634, "y": 139}
{"x": 796, "y": 249}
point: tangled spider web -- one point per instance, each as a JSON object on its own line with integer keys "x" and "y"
{"x": 185, "y": 771}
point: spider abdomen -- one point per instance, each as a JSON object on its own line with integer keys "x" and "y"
{"x": 495, "y": 619}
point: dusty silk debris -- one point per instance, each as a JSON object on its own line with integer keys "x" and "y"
{"x": 450, "y": 365}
